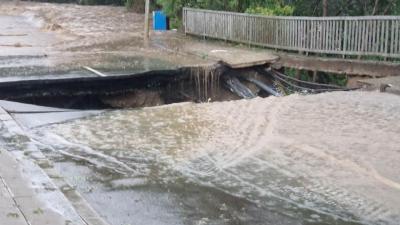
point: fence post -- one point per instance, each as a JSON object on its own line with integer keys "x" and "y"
{"x": 346, "y": 24}
{"x": 204, "y": 25}
{"x": 146, "y": 20}
{"x": 184, "y": 19}
{"x": 386, "y": 39}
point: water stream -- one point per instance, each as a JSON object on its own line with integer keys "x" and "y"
{"x": 321, "y": 159}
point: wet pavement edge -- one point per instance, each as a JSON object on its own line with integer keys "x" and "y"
{"x": 28, "y": 180}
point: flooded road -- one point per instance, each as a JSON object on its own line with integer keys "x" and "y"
{"x": 20, "y": 35}
{"x": 320, "y": 159}
{"x": 23, "y": 46}
{"x": 28, "y": 52}
{"x": 52, "y": 41}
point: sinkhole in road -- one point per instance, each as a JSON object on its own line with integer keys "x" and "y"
{"x": 146, "y": 89}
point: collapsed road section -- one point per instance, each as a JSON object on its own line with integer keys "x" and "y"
{"x": 188, "y": 84}
{"x": 25, "y": 134}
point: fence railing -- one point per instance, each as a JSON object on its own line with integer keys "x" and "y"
{"x": 364, "y": 35}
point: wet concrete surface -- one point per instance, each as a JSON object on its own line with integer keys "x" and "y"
{"x": 241, "y": 162}
{"x": 146, "y": 201}
{"x": 28, "y": 195}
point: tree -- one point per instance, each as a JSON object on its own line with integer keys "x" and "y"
{"x": 324, "y": 7}
{"x": 346, "y": 7}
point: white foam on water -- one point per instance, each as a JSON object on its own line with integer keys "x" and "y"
{"x": 33, "y": 19}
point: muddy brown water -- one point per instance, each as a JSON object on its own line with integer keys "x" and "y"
{"x": 320, "y": 159}
{"x": 30, "y": 50}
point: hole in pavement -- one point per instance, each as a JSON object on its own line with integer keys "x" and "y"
{"x": 152, "y": 88}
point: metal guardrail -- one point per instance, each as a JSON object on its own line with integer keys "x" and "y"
{"x": 362, "y": 35}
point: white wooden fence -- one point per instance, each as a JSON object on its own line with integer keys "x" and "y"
{"x": 363, "y": 35}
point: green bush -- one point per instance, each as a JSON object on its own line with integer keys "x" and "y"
{"x": 100, "y": 2}
{"x": 274, "y": 10}
{"x": 173, "y": 9}
{"x": 129, "y": 4}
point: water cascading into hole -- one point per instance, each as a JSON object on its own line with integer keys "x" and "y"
{"x": 206, "y": 81}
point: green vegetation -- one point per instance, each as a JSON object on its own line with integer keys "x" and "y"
{"x": 277, "y": 10}
{"x": 347, "y": 7}
{"x": 173, "y": 8}
{"x": 288, "y": 7}
{"x": 129, "y": 4}
{"x": 326, "y": 78}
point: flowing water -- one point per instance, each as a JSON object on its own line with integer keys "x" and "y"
{"x": 320, "y": 159}
{"x": 53, "y": 41}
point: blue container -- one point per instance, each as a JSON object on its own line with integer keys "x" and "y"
{"x": 160, "y": 21}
